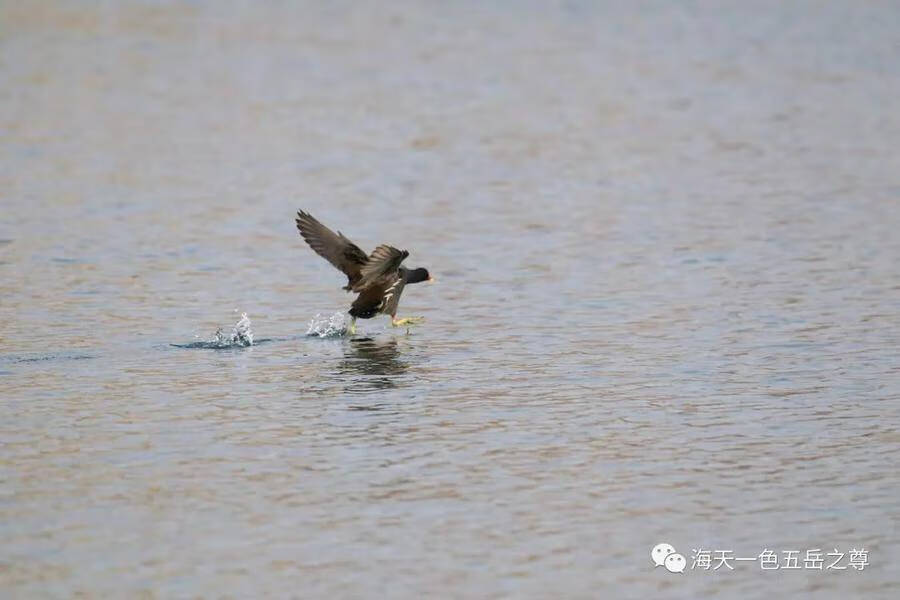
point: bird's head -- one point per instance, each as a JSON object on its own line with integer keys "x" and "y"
{"x": 420, "y": 274}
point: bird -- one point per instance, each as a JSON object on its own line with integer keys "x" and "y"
{"x": 378, "y": 278}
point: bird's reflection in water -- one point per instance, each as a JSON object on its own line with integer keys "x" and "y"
{"x": 371, "y": 365}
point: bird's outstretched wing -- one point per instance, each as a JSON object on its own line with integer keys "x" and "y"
{"x": 384, "y": 261}
{"x": 333, "y": 247}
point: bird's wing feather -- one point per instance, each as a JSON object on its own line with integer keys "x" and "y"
{"x": 333, "y": 247}
{"x": 367, "y": 303}
{"x": 384, "y": 260}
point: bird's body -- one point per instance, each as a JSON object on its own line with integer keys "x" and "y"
{"x": 378, "y": 278}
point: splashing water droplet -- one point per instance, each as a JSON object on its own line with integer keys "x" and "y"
{"x": 241, "y": 335}
{"x": 325, "y": 326}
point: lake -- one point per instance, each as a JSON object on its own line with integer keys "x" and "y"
{"x": 667, "y": 309}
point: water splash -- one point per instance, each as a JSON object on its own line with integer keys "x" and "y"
{"x": 241, "y": 336}
{"x": 241, "y": 333}
{"x": 324, "y": 326}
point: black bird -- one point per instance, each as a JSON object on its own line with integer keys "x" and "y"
{"x": 378, "y": 278}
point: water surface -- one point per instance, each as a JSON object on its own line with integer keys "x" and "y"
{"x": 666, "y": 239}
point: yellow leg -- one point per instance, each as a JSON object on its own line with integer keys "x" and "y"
{"x": 352, "y": 328}
{"x": 407, "y": 321}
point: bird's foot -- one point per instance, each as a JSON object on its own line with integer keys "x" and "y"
{"x": 407, "y": 321}
{"x": 352, "y": 328}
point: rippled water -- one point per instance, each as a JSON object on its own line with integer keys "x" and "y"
{"x": 666, "y": 239}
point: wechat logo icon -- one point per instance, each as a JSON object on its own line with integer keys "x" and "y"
{"x": 664, "y": 555}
